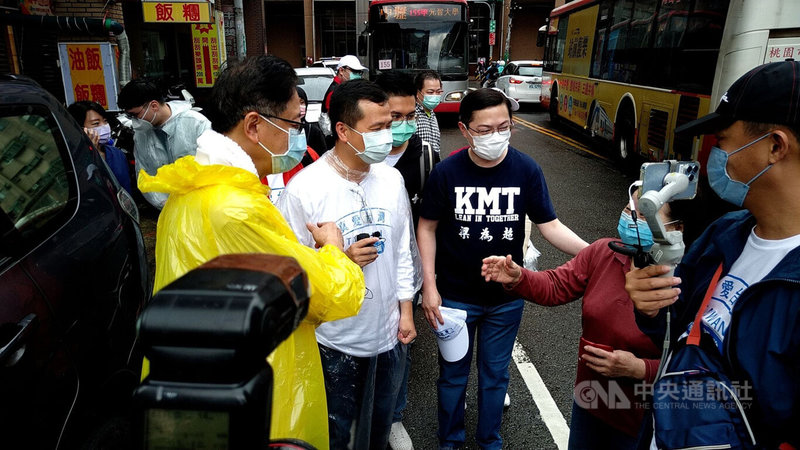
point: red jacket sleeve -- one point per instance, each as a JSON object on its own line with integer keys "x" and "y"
{"x": 650, "y": 369}
{"x": 556, "y": 286}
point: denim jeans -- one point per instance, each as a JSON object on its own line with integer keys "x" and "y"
{"x": 587, "y": 432}
{"x": 402, "y": 394}
{"x": 361, "y": 391}
{"x": 496, "y": 329}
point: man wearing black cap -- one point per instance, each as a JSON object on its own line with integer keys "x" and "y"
{"x": 740, "y": 280}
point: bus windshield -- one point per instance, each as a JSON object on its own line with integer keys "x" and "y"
{"x": 418, "y": 39}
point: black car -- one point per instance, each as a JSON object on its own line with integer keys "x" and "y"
{"x": 73, "y": 278}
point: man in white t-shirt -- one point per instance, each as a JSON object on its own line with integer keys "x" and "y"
{"x": 363, "y": 357}
{"x": 750, "y": 330}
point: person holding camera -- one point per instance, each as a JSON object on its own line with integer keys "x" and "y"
{"x": 614, "y": 356}
{"x": 363, "y": 357}
{"x": 734, "y": 302}
{"x": 217, "y": 205}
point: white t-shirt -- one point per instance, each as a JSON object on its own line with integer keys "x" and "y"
{"x": 757, "y": 259}
{"x": 377, "y": 204}
{"x": 276, "y": 186}
{"x": 392, "y": 159}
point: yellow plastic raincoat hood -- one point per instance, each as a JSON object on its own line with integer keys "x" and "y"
{"x": 219, "y": 209}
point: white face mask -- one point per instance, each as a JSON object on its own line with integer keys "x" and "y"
{"x": 144, "y": 123}
{"x": 377, "y": 145}
{"x": 491, "y": 146}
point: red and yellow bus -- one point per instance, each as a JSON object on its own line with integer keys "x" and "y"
{"x": 631, "y": 71}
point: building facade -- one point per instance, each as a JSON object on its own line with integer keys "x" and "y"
{"x": 187, "y": 43}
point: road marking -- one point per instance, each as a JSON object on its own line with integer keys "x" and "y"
{"x": 551, "y": 415}
{"x": 560, "y": 137}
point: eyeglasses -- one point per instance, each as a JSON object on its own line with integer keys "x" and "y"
{"x": 136, "y": 115}
{"x": 487, "y": 131}
{"x": 401, "y": 118}
{"x": 295, "y": 124}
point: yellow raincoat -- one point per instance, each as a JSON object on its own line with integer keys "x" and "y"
{"x": 216, "y": 209}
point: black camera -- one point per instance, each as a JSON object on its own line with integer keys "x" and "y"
{"x": 207, "y": 336}
{"x": 361, "y": 236}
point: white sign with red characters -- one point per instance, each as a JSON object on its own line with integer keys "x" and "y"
{"x": 782, "y": 49}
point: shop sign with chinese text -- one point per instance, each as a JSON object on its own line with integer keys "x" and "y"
{"x": 206, "y": 50}
{"x": 89, "y": 73}
{"x": 177, "y": 12}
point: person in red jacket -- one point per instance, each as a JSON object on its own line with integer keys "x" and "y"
{"x": 615, "y": 357}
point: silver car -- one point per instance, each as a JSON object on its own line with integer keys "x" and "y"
{"x": 315, "y": 81}
{"x": 522, "y": 81}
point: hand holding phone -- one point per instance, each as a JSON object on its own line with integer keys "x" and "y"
{"x": 615, "y": 363}
{"x": 582, "y": 350}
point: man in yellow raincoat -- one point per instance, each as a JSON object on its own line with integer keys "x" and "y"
{"x": 217, "y": 205}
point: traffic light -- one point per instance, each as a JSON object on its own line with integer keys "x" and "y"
{"x": 492, "y": 26}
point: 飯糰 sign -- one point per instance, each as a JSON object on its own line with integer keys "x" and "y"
{"x": 89, "y": 73}
{"x": 177, "y": 12}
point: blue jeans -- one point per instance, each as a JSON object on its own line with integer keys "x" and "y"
{"x": 496, "y": 328}
{"x": 587, "y": 432}
{"x": 402, "y": 394}
{"x": 361, "y": 391}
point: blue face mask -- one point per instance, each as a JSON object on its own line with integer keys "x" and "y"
{"x": 402, "y": 130}
{"x": 430, "y": 102}
{"x": 354, "y": 76}
{"x": 627, "y": 232}
{"x": 377, "y": 145}
{"x": 728, "y": 189}
{"x": 297, "y": 148}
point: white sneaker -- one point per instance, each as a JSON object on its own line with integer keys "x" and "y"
{"x": 399, "y": 438}
{"x": 507, "y": 401}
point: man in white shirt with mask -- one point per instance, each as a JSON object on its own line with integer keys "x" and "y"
{"x": 363, "y": 357}
{"x": 163, "y": 131}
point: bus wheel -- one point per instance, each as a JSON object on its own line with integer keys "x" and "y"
{"x": 554, "y": 107}
{"x": 624, "y": 149}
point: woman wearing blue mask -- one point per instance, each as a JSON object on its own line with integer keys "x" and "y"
{"x": 615, "y": 357}
{"x": 96, "y": 124}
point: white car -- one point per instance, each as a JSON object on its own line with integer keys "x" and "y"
{"x": 522, "y": 81}
{"x": 331, "y": 63}
{"x": 315, "y": 81}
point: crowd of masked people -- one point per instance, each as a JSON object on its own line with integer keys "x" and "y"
{"x": 385, "y": 221}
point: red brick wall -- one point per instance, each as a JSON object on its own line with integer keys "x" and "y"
{"x": 254, "y": 27}
{"x": 88, "y": 8}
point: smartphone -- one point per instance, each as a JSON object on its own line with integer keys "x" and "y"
{"x": 585, "y": 342}
{"x": 653, "y": 174}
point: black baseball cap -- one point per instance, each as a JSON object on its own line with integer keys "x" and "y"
{"x": 770, "y": 93}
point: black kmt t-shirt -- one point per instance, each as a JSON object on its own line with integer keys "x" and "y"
{"x": 481, "y": 212}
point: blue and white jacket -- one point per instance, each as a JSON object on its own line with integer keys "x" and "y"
{"x": 762, "y": 346}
